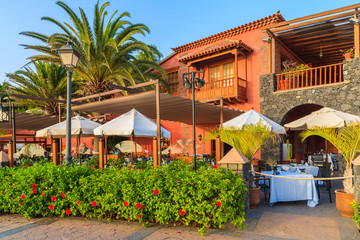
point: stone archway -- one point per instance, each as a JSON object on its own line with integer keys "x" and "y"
{"x": 299, "y": 149}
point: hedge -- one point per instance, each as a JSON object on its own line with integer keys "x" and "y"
{"x": 174, "y": 193}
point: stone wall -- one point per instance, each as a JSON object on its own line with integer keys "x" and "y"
{"x": 343, "y": 96}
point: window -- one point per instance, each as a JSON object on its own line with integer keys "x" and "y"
{"x": 173, "y": 81}
{"x": 221, "y": 75}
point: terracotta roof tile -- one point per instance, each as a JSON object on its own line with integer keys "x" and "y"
{"x": 277, "y": 17}
{"x": 214, "y": 48}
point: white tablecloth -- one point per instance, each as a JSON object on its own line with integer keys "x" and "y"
{"x": 284, "y": 190}
{"x": 313, "y": 170}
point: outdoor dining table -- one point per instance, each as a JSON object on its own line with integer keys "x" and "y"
{"x": 313, "y": 170}
{"x": 284, "y": 190}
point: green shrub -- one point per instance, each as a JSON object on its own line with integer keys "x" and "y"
{"x": 207, "y": 198}
{"x": 356, "y": 216}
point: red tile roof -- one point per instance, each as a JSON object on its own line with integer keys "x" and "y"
{"x": 275, "y": 18}
{"x": 214, "y": 48}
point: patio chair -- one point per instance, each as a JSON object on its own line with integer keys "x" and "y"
{"x": 318, "y": 160}
{"x": 264, "y": 184}
{"x": 324, "y": 172}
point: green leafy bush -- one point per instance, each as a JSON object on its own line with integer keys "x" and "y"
{"x": 174, "y": 193}
{"x": 356, "y": 216}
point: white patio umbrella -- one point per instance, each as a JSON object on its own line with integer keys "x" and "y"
{"x": 253, "y": 117}
{"x": 132, "y": 123}
{"x": 325, "y": 117}
{"x": 79, "y": 126}
{"x": 31, "y": 150}
{"x": 128, "y": 146}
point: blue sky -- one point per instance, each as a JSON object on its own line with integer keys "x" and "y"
{"x": 172, "y": 23}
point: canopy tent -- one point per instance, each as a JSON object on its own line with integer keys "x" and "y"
{"x": 132, "y": 123}
{"x": 79, "y": 126}
{"x": 234, "y": 157}
{"x": 4, "y": 157}
{"x": 31, "y": 150}
{"x": 325, "y": 117}
{"x": 129, "y": 147}
{"x": 253, "y": 117}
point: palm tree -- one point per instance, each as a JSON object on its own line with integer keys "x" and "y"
{"x": 246, "y": 140}
{"x": 47, "y": 80}
{"x": 108, "y": 49}
{"x": 346, "y": 140}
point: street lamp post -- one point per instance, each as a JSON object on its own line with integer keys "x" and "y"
{"x": 8, "y": 115}
{"x": 190, "y": 83}
{"x": 69, "y": 59}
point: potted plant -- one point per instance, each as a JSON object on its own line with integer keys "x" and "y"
{"x": 288, "y": 68}
{"x": 247, "y": 141}
{"x": 348, "y": 53}
{"x": 347, "y": 141}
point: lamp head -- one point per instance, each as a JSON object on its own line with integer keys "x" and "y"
{"x": 199, "y": 82}
{"x": 186, "y": 82}
{"x": 68, "y": 55}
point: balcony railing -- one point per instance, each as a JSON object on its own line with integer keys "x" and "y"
{"x": 311, "y": 77}
{"x": 225, "y": 88}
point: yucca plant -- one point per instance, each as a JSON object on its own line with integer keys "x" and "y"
{"x": 346, "y": 140}
{"x": 246, "y": 140}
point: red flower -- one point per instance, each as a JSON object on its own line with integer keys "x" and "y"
{"x": 156, "y": 192}
{"x": 68, "y": 212}
{"x": 79, "y": 202}
{"x": 93, "y": 204}
{"x": 91, "y": 167}
{"x": 247, "y": 183}
{"x": 138, "y": 206}
{"x": 22, "y": 196}
{"x": 33, "y": 185}
{"x": 51, "y": 207}
{"x": 34, "y": 191}
{"x": 182, "y": 212}
{"x": 126, "y": 203}
{"x": 139, "y": 216}
{"x": 218, "y": 204}
{"x": 63, "y": 195}
{"x": 80, "y": 183}
{"x": 43, "y": 194}
{"x": 53, "y": 198}
{"x": 143, "y": 207}
{"x": 215, "y": 166}
{"x": 21, "y": 203}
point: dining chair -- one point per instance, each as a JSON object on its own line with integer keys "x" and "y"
{"x": 264, "y": 184}
{"x": 317, "y": 160}
{"x": 326, "y": 173}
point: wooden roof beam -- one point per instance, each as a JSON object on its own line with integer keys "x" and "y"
{"x": 152, "y": 82}
{"x": 271, "y": 34}
{"x": 317, "y": 15}
{"x": 291, "y": 27}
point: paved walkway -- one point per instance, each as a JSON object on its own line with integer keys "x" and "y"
{"x": 282, "y": 221}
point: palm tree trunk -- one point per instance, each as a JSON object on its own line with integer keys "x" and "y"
{"x": 348, "y": 182}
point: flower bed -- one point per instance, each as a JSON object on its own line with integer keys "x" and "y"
{"x": 172, "y": 194}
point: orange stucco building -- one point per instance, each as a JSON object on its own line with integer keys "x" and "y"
{"x": 233, "y": 62}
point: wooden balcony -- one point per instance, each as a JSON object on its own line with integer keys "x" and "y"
{"x": 311, "y": 77}
{"x": 232, "y": 90}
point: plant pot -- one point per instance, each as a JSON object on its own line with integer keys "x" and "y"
{"x": 254, "y": 196}
{"x": 255, "y": 163}
{"x": 281, "y": 86}
{"x": 347, "y": 56}
{"x": 286, "y": 84}
{"x": 343, "y": 203}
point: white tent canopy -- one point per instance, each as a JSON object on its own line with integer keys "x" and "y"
{"x": 79, "y": 126}
{"x": 129, "y": 124}
{"x": 129, "y": 147}
{"x": 30, "y": 150}
{"x": 325, "y": 117}
{"x": 253, "y": 117}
